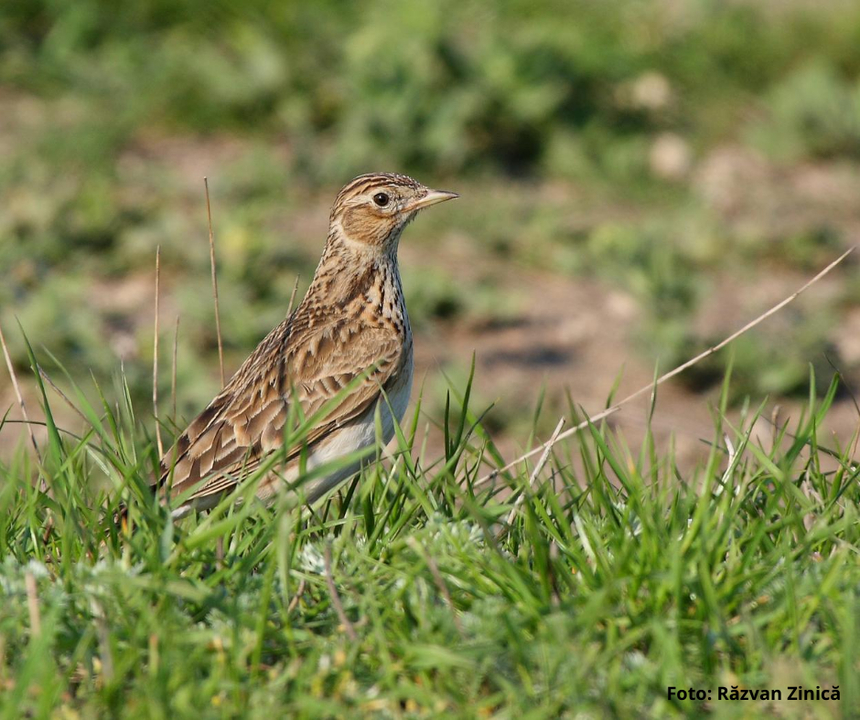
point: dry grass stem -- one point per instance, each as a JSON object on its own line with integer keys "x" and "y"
{"x": 103, "y": 634}
{"x": 335, "y": 598}
{"x": 293, "y": 296}
{"x": 33, "y": 604}
{"x": 153, "y": 654}
{"x": 61, "y": 394}
{"x": 20, "y": 397}
{"x": 155, "y": 354}
{"x": 214, "y": 282}
{"x": 534, "y": 476}
{"x": 294, "y": 601}
{"x": 672, "y": 373}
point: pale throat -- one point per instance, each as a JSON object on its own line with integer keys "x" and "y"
{"x": 364, "y": 249}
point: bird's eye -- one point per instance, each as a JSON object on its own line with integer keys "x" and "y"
{"x": 381, "y": 199}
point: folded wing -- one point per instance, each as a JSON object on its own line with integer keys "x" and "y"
{"x": 298, "y": 362}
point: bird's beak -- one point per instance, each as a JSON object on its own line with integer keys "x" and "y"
{"x": 431, "y": 198}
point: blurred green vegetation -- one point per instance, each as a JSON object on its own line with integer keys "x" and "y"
{"x": 559, "y": 87}
{"x": 578, "y": 128}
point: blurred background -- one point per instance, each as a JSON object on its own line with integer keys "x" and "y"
{"x": 638, "y": 179}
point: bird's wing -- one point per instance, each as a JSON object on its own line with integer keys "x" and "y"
{"x": 244, "y": 424}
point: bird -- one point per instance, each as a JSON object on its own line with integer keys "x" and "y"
{"x": 341, "y": 359}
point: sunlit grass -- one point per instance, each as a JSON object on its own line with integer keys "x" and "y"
{"x": 617, "y": 578}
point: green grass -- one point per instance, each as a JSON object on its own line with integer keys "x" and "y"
{"x": 619, "y": 577}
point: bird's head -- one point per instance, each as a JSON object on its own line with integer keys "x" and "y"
{"x": 373, "y": 209}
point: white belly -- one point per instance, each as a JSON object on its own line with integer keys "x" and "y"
{"x": 356, "y": 436}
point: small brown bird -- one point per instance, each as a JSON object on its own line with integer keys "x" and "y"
{"x": 351, "y": 329}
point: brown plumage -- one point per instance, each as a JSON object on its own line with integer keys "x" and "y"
{"x": 350, "y": 328}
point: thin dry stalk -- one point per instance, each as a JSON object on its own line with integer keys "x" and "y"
{"x": 489, "y": 477}
{"x": 103, "y": 634}
{"x": 214, "y": 282}
{"x": 33, "y": 604}
{"x": 173, "y": 370}
{"x": 293, "y": 296}
{"x": 297, "y": 597}
{"x": 21, "y": 404}
{"x": 335, "y": 598}
{"x": 774, "y": 421}
{"x": 155, "y": 354}
{"x": 154, "y": 657}
{"x": 533, "y": 479}
{"x": 61, "y": 394}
